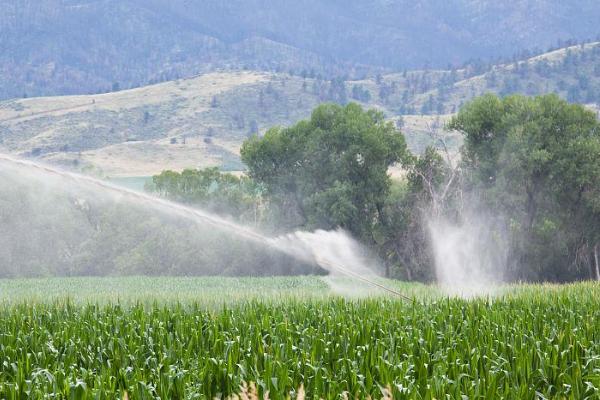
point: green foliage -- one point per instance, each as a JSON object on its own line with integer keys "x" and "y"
{"x": 535, "y": 160}
{"x": 404, "y": 240}
{"x": 535, "y": 342}
{"x": 222, "y": 193}
{"x": 331, "y": 170}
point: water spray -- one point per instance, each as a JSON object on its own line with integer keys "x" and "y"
{"x": 330, "y": 266}
{"x": 205, "y": 217}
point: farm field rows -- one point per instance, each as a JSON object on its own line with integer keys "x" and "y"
{"x": 207, "y": 292}
{"x": 207, "y": 337}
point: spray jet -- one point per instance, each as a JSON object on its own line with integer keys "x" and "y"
{"x": 333, "y": 267}
{"x": 204, "y": 217}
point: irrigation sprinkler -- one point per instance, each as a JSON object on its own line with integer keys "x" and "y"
{"x": 197, "y": 214}
{"x": 331, "y": 266}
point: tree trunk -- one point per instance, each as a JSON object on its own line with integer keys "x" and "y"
{"x": 596, "y": 262}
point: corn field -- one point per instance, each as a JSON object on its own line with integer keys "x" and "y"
{"x": 533, "y": 342}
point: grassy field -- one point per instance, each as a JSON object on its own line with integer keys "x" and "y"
{"x": 206, "y": 292}
{"x": 207, "y": 337}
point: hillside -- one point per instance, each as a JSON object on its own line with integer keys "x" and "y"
{"x": 194, "y": 122}
{"x": 573, "y": 73}
{"x": 184, "y": 123}
{"x": 202, "y": 121}
{"x": 61, "y": 47}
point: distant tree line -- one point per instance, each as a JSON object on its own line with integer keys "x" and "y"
{"x": 532, "y": 162}
{"x": 222, "y": 193}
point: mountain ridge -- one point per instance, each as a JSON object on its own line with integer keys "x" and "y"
{"x": 60, "y": 47}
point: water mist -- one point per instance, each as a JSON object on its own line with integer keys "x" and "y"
{"x": 470, "y": 253}
{"x": 63, "y": 194}
{"x": 341, "y": 255}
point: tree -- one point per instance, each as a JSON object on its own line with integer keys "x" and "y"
{"x": 214, "y": 191}
{"x": 400, "y": 122}
{"x": 428, "y": 106}
{"x": 337, "y": 91}
{"x": 329, "y": 171}
{"x": 385, "y": 91}
{"x": 405, "y": 240}
{"x": 535, "y": 161}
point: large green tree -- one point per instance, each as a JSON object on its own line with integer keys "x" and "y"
{"x": 537, "y": 161}
{"x": 329, "y": 171}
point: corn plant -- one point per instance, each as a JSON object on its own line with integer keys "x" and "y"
{"x": 533, "y": 342}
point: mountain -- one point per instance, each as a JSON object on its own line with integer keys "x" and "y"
{"x": 195, "y": 122}
{"x": 59, "y": 47}
{"x": 183, "y": 123}
{"x": 573, "y": 73}
{"x": 201, "y": 121}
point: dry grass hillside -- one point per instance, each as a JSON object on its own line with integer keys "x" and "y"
{"x": 192, "y": 122}
{"x": 202, "y": 121}
{"x": 195, "y": 122}
{"x": 572, "y": 72}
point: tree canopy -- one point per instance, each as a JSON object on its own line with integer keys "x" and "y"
{"x": 218, "y": 192}
{"x": 530, "y": 165}
{"x": 537, "y": 162}
{"x": 331, "y": 170}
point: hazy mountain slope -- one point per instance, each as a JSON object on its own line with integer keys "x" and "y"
{"x": 194, "y": 122}
{"x": 50, "y": 47}
{"x": 202, "y": 121}
{"x": 185, "y": 123}
{"x": 573, "y": 73}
